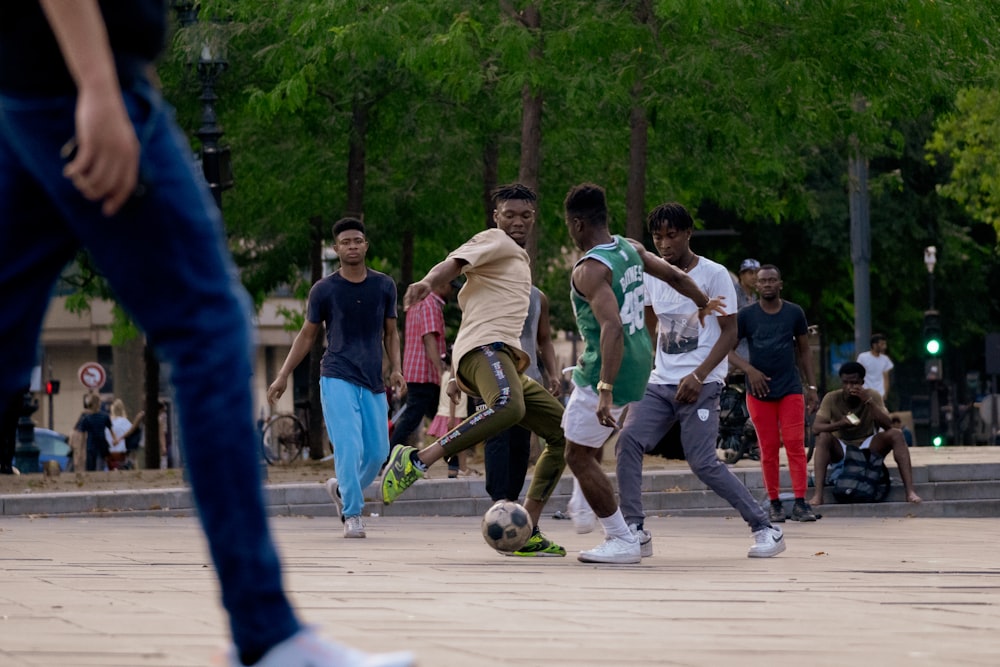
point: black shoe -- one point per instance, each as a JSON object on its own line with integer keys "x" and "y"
{"x": 776, "y": 512}
{"x": 801, "y": 511}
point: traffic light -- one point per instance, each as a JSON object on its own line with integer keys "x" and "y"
{"x": 52, "y": 387}
{"x": 932, "y": 332}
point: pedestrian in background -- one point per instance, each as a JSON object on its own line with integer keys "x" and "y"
{"x": 877, "y": 366}
{"x": 356, "y": 306}
{"x": 777, "y": 335}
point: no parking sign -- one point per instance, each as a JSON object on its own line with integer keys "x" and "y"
{"x": 92, "y": 375}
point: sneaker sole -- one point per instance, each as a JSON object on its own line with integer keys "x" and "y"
{"x": 646, "y": 549}
{"x": 803, "y": 519}
{"x": 609, "y": 560}
{"x": 331, "y": 490}
{"x": 534, "y": 554}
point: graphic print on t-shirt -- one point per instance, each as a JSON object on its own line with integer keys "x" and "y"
{"x": 678, "y": 333}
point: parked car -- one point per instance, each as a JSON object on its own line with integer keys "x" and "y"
{"x": 53, "y": 446}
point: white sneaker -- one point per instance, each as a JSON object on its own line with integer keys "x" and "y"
{"x": 334, "y": 492}
{"x": 645, "y": 540}
{"x": 584, "y": 518}
{"x": 307, "y": 649}
{"x": 354, "y": 527}
{"x": 613, "y": 550}
{"x": 767, "y": 542}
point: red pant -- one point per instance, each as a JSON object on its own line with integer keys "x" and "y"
{"x": 776, "y": 422}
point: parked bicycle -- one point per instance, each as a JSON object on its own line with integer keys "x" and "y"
{"x": 284, "y": 438}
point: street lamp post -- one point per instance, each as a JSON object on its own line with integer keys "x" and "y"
{"x": 215, "y": 162}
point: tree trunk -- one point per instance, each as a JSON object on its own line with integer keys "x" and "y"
{"x": 406, "y": 258}
{"x": 356, "y": 162}
{"x": 316, "y": 427}
{"x": 531, "y": 131}
{"x": 491, "y": 170}
{"x": 151, "y": 425}
{"x": 129, "y": 370}
{"x": 635, "y": 194}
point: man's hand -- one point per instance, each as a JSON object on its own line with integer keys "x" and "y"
{"x": 604, "y": 405}
{"x": 555, "y": 386}
{"x": 454, "y": 393}
{"x": 416, "y": 293}
{"x": 398, "y": 383}
{"x": 716, "y": 305}
{"x": 276, "y": 389}
{"x": 757, "y": 383}
{"x": 105, "y": 167}
{"x": 688, "y": 390}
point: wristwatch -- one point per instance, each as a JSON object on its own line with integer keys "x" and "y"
{"x": 605, "y": 386}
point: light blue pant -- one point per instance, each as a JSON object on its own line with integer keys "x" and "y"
{"x": 164, "y": 255}
{"x": 357, "y": 421}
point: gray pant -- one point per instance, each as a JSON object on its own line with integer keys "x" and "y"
{"x": 654, "y": 415}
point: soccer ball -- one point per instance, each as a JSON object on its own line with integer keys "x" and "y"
{"x": 506, "y": 526}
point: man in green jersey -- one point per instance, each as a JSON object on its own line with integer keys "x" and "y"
{"x": 607, "y": 291}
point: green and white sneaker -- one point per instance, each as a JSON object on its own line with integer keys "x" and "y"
{"x": 538, "y": 546}
{"x": 400, "y": 473}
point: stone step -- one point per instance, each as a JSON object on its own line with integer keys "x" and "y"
{"x": 948, "y": 489}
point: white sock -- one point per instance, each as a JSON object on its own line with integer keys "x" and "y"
{"x": 615, "y": 526}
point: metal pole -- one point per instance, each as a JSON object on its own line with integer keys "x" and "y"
{"x": 861, "y": 250}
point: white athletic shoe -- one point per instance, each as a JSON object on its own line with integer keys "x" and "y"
{"x": 333, "y": 490}
{"x": 354, "y": 527}
{"x": 307, "y": 649}
{"x": 767, "y": 542}
{"x": 613, "y": 550}
{"x": 584, "y": 518}
{"x": 645, "y": 540}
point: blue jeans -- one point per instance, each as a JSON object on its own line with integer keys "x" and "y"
{"x": 165, "y": 257}
{"x": 357, "y": 421}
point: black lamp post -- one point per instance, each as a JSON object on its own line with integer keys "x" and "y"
{"x": 215, "y": 162}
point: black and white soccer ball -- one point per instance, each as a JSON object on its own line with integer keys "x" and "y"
{"x": 506, "y": 526}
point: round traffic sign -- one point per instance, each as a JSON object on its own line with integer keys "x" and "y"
{"x": 92, "y": 375}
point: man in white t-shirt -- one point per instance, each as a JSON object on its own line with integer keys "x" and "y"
{"x": 877, "y": 366}
{"x": 686, "y": 383}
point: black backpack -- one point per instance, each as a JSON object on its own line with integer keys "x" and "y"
{"x": 864, "y": 479}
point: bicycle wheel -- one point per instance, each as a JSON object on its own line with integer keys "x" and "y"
{"x": 284, "y": 439}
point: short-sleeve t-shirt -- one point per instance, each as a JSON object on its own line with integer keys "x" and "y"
{"x": 494, "y": 299}
{"x": 835, "y": 407}
{"x": 682, "y": 344}
{"x": 354, "y": 315}
{"x": 772, "y": 346}
{"x": 94, "y": 424}
{"x": 874, "y": 369}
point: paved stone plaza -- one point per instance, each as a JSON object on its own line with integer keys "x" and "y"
{"x": 135, "y": 591}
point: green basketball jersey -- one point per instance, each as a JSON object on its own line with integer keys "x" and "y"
{"x": 627, "y": 284}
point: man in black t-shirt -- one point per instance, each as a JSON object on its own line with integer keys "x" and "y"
{"x": 93, "y": 422}
{"x": 778, "y": 341}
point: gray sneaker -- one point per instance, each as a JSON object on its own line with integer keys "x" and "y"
{"x": 353, "y": 527}
{"x": 333, "y": 490}
{"x": 645, "y": 540}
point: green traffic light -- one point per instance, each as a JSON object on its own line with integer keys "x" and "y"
{"x": 933, "y": 346}
{"x": 938, "y": 441}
